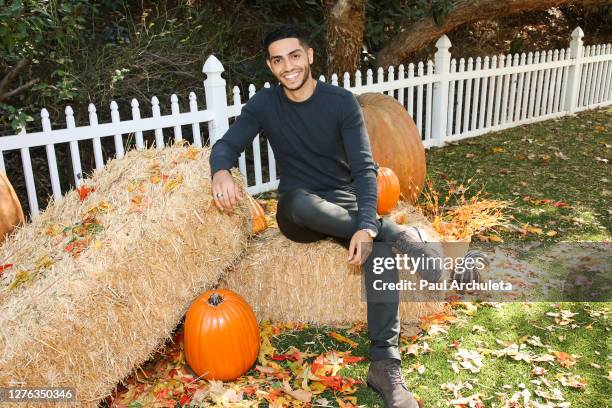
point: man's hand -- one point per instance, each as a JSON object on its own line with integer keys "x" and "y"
{"x": 359, "y": 248}
{"x": 224, "y": 190}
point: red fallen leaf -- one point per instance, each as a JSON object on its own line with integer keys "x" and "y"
{"x": 332, "y": 381}
{"x": 84, "y": 191}
{"x": 4, "y": 267}
{"x": 316, "y": 365}
{"x": 164, "y": 177}
{"x": 337, "y": 382}
{"x": 560, "y": 204}
{"x": 274, "y": 394}
{"x": 249, "y": 390}
{"x": 456, "y": 344}
{"x": 159, "y": 395}
{"x": 279, "y": 357}
{"x": 185, "y": 399}
{"x": 348, "y": 359}
{"x": 434, "y": 318}
{"x": 77, "y": 246}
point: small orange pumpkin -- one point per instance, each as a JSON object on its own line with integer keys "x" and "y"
{"x": 221, "y": 335}
{"x": 388, "y": 190}
{"x": 11, "y": 214}
{"x": 258, "y": 216}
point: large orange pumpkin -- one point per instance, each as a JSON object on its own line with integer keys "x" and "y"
{"x": 388, "y": 190}
{"x": 221, "y": 335}
{"x": 11, "y": 214}
{"x": 258, "y": 216}
{"x": 395, "y": 140}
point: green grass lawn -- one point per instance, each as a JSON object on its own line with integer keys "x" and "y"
{"x": 556, "y": 174}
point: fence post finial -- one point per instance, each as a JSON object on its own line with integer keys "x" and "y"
{"x": 216, "y": 98}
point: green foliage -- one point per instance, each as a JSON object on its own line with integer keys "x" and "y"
{"x": 16, "y": 116}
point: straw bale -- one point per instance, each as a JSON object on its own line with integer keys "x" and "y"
{"x": 153, "y": 241}
{"x": 313, "y": 283}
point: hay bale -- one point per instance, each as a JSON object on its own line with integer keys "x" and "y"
{"x": 289, "y": 281}
{"x": 148, "y": 241}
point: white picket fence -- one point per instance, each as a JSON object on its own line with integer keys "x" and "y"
{"x": 448, "y": 100}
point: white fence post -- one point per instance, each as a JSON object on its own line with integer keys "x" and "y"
{"x": 573, "y": 74}
{"x": 440, "y": 91}
{"x": 216, "y": 98}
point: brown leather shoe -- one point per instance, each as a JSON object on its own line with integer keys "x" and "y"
{"x": 385, "y": 377}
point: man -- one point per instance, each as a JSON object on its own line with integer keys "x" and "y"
{"x": 327, "y": 184}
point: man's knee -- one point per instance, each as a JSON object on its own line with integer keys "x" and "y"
{"x": 295, "y": 204}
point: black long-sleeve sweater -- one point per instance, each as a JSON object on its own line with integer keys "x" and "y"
{"x": 319, "y": 144}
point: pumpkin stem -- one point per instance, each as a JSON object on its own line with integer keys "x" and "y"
{"x": 215, "y": 299}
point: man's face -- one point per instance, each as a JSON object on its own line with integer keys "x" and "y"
{"x": 290, "y": 62}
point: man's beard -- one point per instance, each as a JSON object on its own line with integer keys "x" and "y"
{"x": 306, "y": 76}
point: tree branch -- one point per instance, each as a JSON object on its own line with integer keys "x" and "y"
{"x": 12, "y": 74}
{"x": 18, "y": 90}
{"x": 423, "y": 32}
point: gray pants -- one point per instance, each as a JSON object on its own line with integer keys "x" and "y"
{"x": 308, "y": 216}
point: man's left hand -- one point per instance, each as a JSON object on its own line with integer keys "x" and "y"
{"x": 360, "y": 248}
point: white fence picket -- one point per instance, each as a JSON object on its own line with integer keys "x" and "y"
{"x": 159, "y": 133}
{"x": 97, "y": 145}
{"x": 508, "y": 115}
{"x": 451, "y": 100}
{"x": 468, "y": 98}
{"x": 75, "y": 155}
{"x": 51, "y": 159}
{"x": 498, "y": 92}
{"x": 346, "y": 80}
{"x": 508, "y": 78}
{"x": 118, "y": 137}
{"x": 401, "y": 91}
{"x": 459, "y": 103}
{"x": 419, "y": 121}
{"x": 174, "y": 108}
{"x": 26, "y": 163}
{"x": 195, "y": 126}
{"x": 491, "y": 94}
{"x": 242, "y": 158}
{"x": 136, "y": 116}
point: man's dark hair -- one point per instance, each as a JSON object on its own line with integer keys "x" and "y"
{"x": 287, "y": 31}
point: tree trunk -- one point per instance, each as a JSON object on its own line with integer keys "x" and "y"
{"x": 423, "y": 32}
{"x": 344, "y": 25}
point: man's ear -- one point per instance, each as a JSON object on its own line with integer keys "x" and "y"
{"x": 268, "y": 64}
{"x": 310, "y": 55}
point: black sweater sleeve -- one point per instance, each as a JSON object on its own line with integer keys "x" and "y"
{"x": 226, "y": 150}
{"x": 363, "y": 168}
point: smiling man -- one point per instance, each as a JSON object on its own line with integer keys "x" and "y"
{"x": 327, "y": 185}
